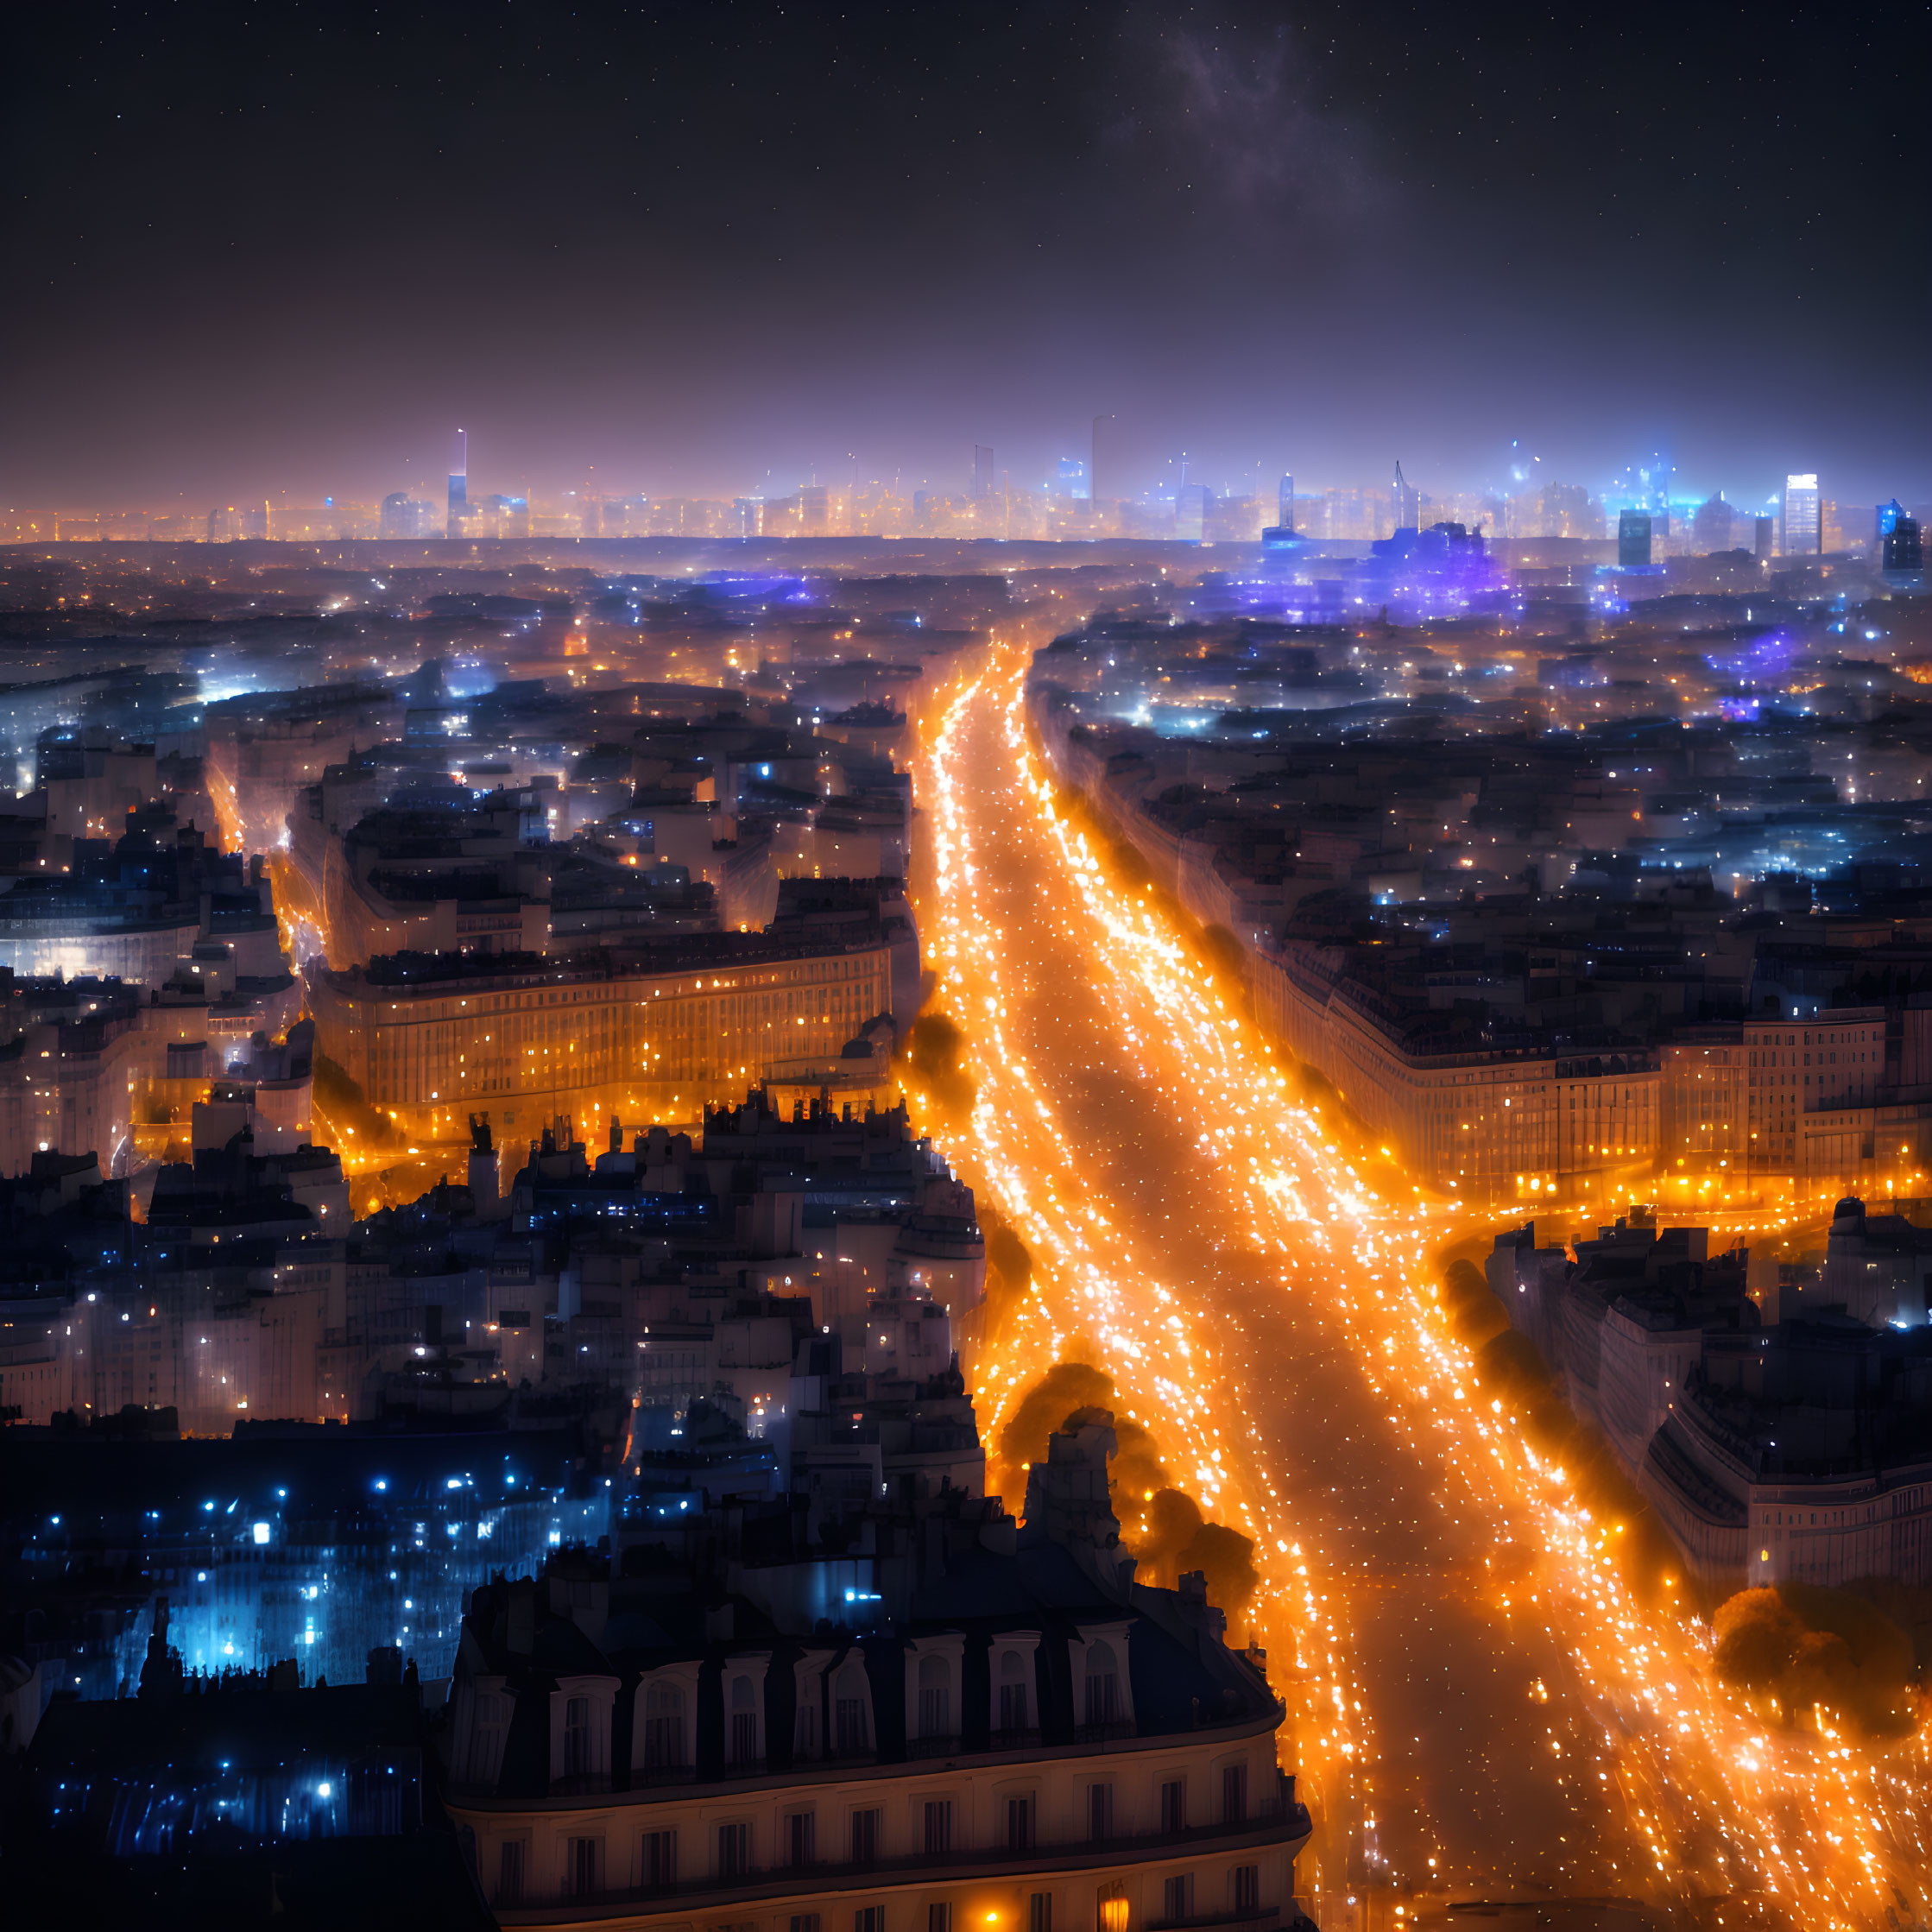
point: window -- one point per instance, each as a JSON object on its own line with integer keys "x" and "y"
{"x": 664, "y": 1726}
{"x": 486, "y": 1738}
{"x": 1100, "y": 1812}
{"x": 938, "y": 1826}
{"x": 509, "y": 1873}
{"x": 870, "y": 1918}
{"x": 805, "y": 1921}
{"x": 1020, "y": 1824}
{"x": 1103, "y": 1684}
{"x": 734, "y": 1851}
{"x": 939, "y": 1916}
{"x": 1247, "y": 1888}
{"x": 935, "y": 1698}
{"x": 1178, "y": 1897}
{"x": 801, "y": 1838}
{"x": 660, "y": 1860}
{"x": 1173, "y": 1805}
{"x": 851, "y": 1709}
{"x": 865, "y": 1837}
{"x": 1014, "y": 1704}
{"x": 577, "y": 1737}
{"x": 804, "y": 1734}
{"x": 1234, "y": 1793}
{"x": 744, "y": 1721}
{"x": 581, "y": 1878}
{"x": 1039, "y": 1912}
{"x": 852, "y": 1728}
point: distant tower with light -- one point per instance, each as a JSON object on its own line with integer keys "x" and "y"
{"x": 1804, "y": 530}
{"x": 1281, "y": 541}
{"x": 460, "y": 487}
{"x": 982, "y": 471}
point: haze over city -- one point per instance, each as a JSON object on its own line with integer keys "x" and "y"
{"x": 679, "y": 250}
{"x": 965, "y": 972}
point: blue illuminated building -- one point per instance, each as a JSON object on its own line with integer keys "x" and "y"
{"x": 317, "y": 1542}
{"x": 254, "y": 1803}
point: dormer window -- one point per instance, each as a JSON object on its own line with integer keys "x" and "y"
{"x": 1015, "y": 1694}
{"x": 851, "y": 1703}
{"x": 744, "y": 1710}
{"x": 1014, "y": 1712}
{"x": 935, "y": 1698}
{"x": 664, "y": 1723}
{"x": 1102, "y": 1684}
{"x": 932, "y": 1674}
{"x": 1103, "y": 1691}
{"x": 664, "y": 1726}
{"x": 580, "y": 1710}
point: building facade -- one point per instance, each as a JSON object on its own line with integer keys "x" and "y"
{"x": 432, "y": 1039}
{"x": 1002, "y": 1731}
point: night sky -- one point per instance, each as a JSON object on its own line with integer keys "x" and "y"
{"x": 673, "y": 249}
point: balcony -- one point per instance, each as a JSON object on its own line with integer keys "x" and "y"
{"x": 932, "y": 1747}
{"x": 1268, "y": 1824}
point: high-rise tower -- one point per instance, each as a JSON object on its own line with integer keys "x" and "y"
{"x": 460, "y": 487}
{"x": 1803, "y": 525}
{"x": 1408, "y": 502}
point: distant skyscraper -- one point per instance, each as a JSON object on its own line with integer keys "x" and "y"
{"x": 982, "y": 471}
{"x": 814, "y": 509}
{"x": 1804, "y": 525}
{"x": 459, "y": 488}
{"x": 1070, "y": 478}
{"x": 403, "y": 517}
{"x": 1407, "y": 504}
{"x": 1633, "y": 539}
{"x": 1285, "y": 514}
{"x": 1191, "y": 510}
{"x": 1764, "y": 534}
{"x": 1710, "y": 528}
{"x": 1885, "y": 519}
{"x": 1903, "y": 550}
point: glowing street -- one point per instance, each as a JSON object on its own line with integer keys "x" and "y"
{"x": 1479, "y": 1705}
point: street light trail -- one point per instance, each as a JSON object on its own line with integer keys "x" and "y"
{"x": 1677, "y": 1789}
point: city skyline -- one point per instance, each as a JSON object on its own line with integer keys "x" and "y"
{"x": 1517, "y": 475}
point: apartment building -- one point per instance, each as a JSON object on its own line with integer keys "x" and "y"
{"x": 1002, "y": 1731}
